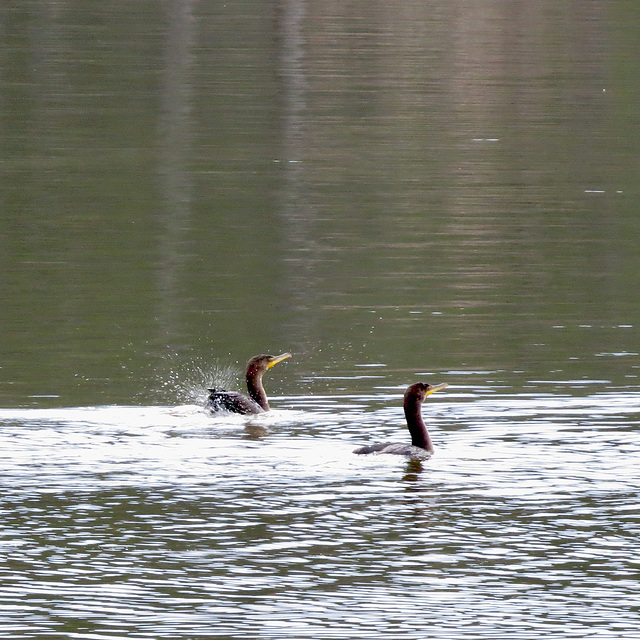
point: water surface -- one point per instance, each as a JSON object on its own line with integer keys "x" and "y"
{"x": 165, "y": 522}
{"x": 436, "y": 191}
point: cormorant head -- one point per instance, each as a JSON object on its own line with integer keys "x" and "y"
{"x": 421, "y": 390}
{"x": 259, "y": 364}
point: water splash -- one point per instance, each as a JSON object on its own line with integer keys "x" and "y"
{"x": 185, "y": 381}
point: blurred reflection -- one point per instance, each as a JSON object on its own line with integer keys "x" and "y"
{"x": 412, "y": 471}
{"x": 175, "y": 131}
{"x": 295, "y": 208}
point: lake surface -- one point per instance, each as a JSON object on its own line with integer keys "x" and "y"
{"x": 433, "y": 191}
{"x": 154, "y": 522}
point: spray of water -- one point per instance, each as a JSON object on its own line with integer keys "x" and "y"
{"x": 186, "y": 380}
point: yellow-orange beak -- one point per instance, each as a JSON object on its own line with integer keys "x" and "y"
{"x": 436, "y": 387}
{"x": 277, "y": 359}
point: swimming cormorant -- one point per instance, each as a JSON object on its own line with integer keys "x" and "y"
{"x": 256, "y": 402}
{"x": 421, "y": 445}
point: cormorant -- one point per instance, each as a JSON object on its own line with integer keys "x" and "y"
{"x": 421, "y": 445}
{"x": 256, "y": 402}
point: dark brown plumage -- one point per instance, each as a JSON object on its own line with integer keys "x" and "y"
{"x": 421, "y": 445}
{"x": 256, "y": 402}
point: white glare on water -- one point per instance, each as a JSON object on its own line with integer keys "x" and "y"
{"x": 165, "y": 521}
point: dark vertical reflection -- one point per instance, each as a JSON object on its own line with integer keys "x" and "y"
{"x": 174, "y": 137}
{"x": 49, "y": 88}
{"x": 295, "y": 209}
{"x": 49, "y": 255}
{"x": 4, "y": 114}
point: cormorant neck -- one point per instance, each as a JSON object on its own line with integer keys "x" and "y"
{"x": 255, "y": 388}
{"x": 417, "y": 428}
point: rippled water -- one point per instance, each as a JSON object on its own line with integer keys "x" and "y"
{"x": 162, "y": 522}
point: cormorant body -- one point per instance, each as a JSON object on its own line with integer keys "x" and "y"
{"x": 421, "y": 446}
{"x": 256, "y": 401}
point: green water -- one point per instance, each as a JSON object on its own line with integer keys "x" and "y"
{"x": 437, "y": 187}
